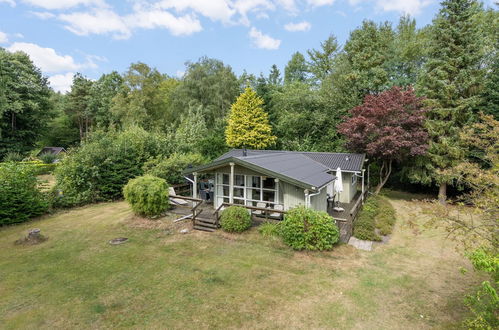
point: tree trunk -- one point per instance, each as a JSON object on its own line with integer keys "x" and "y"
{"x": 384, "y": 174}
{"x": 442, "y": 193}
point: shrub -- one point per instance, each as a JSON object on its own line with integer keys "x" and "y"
{"x": 484, "y": 304}
{"x": 147, "y": 195}
{"x": 269, "y": 229}
{"x": 377, "y": 213}
{"x": 13, "y": 156}
{"x": 20, "y": 198}
{"x": 100, "y": 168}
{"x": 47, "y": 158}
{"x": 364, "y": 228}
{"x": 307, "y": 229}
{"x": 235, "y": 219}
{"x": 171, "y": 168}
{"x": 385, "y": 218}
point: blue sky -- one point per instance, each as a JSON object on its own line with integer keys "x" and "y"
{"x": 98, "y": 36}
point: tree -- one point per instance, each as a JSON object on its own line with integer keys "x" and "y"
{"x": 78, "y": 104}
{"x": 145, "y": 98}
{"x": 473, "y": 220}
{"x": 321, "y": 62}
{"x": 407, "y": 56}
{"x": 191, "y": 131}
{"x": 61, "y": 130}
{"x": 208, "y": 83}
{"x": 302, "y": 120}
{"x": 274, "y": 76}
{"x": 101, "y": 98}
{"x": 451, "y": 82}
{"x": 248, "y": 124}
{"x": 24, "y": 103}
{"x": 387, "y": 127}
{"x": 490, "y": 93}
{"x": 296, "y": 69}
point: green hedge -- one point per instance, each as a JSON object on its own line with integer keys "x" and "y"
{"x": 307, "y": 229}
{"x": 377, "y": 213}
{"x": 100, "y": 168}
{"x": 147, "y": 195}
{"x": 235, "y": 219}
{"x": 20, "y": 198}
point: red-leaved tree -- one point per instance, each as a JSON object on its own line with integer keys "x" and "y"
{"x": 388, "y": 127}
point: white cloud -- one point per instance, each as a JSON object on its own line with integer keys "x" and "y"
{"x": 156, "y": 18}
{"x": 244, "y": 7}
{"x": 294, "y": 27}
{"x": 46, "y": 58}
{"x": 263, "y": 41}
{"x": 98, "y": 21}
{"x": 43, "y": 14}
{"x": 288, "y": 5}
{"x": 3, "y": 38}
{"x": 412, "y": 7}
{"x": 318, "y": 3}
{"x": 180, "y": 73}
{"x": 9, "y": 2}
{"x": 61, "y": 82}
{"x": 216, "y": 10}
{"x": 64, "y": 4}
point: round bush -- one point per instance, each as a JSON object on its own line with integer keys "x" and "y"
{"x": 235, "y": 219}
{"x": 147, "y": 195}
{"x": 307, "y": 229}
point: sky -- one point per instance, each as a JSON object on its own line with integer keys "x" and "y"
{"x": 94, "y": 37}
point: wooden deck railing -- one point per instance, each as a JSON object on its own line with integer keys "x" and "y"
{"x": 252, "y": 208}
{"x": 196, "y": 202}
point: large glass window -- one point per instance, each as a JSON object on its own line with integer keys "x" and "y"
{"x": 268, "y": 183}
{"x": 248, "y": 189}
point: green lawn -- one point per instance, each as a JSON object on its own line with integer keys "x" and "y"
{"x": 163, "y": 279}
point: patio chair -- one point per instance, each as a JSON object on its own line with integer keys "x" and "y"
{"x": 277, "y": 215}
{"x": 176, "y": 201}
{"x": 259, "y": 213}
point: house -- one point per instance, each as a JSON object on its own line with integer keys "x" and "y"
{"x": 51, "y": 150}
{"x": 288, "y": 178}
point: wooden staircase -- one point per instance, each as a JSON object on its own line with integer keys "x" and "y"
{"x": 205, "y": 224}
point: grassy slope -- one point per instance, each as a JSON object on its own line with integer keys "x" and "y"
{"x": 168, "y": 280}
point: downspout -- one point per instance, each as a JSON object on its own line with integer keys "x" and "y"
{"x": 312, "y": 195}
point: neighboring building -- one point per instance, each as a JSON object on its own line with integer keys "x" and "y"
{"x": 52, "y": 150}
{"x": 289, "y": 178}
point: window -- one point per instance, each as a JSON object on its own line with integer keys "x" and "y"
{"x": 354, "y": 179}
{"x": 268, "y": 183}
{"x": 248, "y": 189}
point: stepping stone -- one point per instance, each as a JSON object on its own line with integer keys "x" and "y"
{"x": 360, "y": 244}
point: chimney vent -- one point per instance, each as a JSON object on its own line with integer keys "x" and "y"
{"x": 245, "y": 152}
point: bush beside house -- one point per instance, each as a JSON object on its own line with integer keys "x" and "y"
{"x": 235, "y": 219}
{"x": 307, "y": 229}
{"x": 147, "y": 195}
{"x": 376, "y": 217}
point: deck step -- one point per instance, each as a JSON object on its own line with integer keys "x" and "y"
{"x": 203, "y": 228}
{"x": 204, "y": 224}
{"x": 205, "y": 220}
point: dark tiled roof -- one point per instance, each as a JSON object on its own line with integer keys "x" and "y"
{"x": 51, "y": 150}
{"x": 346, "y": 161}
{"x": 294, "y": 166}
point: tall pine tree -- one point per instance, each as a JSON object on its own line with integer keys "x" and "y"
{"x": 248, "y": 124}
{"x": 451, "y": 81}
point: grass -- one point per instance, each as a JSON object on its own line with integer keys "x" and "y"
{"x": 163, "y": 279}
